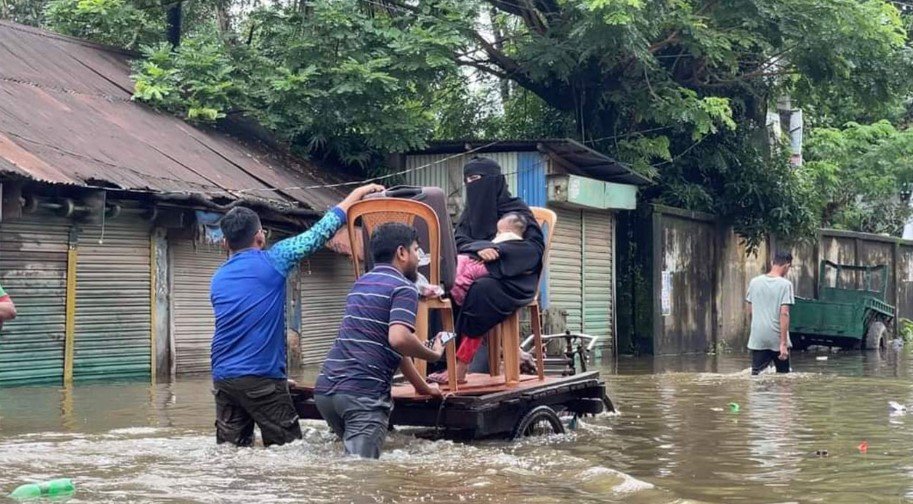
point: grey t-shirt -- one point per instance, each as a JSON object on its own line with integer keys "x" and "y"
{"x": 766, "y": 295}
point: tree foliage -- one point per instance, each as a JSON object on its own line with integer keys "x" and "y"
{"x": 27, "y": 12}
{"x": 861, "y": 176}
{"x": 678, "y": 89}
{"x": 333, "y": 78}
{"x": 113, "y": 22}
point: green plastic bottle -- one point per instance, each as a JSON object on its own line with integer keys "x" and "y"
{"x": 49, "y": 489}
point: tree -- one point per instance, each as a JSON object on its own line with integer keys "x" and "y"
{"x": 676, "y": 88}
{"x": 27, "y": 12}
{"x": 113, "y": 22}
{"x": 862, "y": 176}
{"x": 335, "y": 79}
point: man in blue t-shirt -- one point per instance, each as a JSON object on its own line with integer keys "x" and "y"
{"x": 248, "y": 347}
{"x": 377, "y": 337}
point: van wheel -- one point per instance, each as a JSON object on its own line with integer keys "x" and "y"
{"x": 876, "y": 337}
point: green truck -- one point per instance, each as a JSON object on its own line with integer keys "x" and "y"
{"x": 850, "y": 312}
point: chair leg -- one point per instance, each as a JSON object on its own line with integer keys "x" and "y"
{"x": 452, "y": 382}
{"x": 494, "y": 351}
{"x": 537, "y": 340}
{"x": 421, "y": 331}
{"x": 511, "y": 350}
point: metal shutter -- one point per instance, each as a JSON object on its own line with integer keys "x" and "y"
{"x": 326, "y": 279}
{"x": 565, "y": 267}
{"x": 192, "y": 267}
{"x": 598, "y": 246}
{"x": 113, "y": 290}
{"x": 33, "y": 270}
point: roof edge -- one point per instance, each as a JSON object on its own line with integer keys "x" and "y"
{"x": 41, "y": 32}
{"x": 483, "y": 146}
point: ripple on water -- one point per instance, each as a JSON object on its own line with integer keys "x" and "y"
{"x": 168, "y": 465}
{"x": 675, "y": 440}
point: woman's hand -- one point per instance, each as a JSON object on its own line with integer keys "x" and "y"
{"x": 488, "y": 255}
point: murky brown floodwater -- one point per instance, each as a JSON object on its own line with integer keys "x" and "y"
{"x": 675, "y": 440}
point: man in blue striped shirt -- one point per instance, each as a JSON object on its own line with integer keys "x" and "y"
{"x": 376, "y": 337}
{"x": 248, "y": 347}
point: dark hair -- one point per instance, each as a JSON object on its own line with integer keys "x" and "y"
{"x": 517, "y": 221}
{"x": 239, "y": 226}
{"x": 388, "y": 238}
{"x": 781, "y": 258}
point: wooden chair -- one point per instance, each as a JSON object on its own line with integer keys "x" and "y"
{"x": 506, "y": 335}
{"x": 375, "y": 212}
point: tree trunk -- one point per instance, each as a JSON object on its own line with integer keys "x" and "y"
{"x": 499, "y": 45}
{"x": 223, "y": 19}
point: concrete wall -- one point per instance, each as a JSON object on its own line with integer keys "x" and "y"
{"x": 736, "y": 268}
{"x": 688, "y": 245}
{"x": 710, "y": 268}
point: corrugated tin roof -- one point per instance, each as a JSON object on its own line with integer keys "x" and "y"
{"x": 66, "y": 117}
{"x": 577, "y": 157}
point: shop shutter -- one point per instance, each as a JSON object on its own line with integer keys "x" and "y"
{"x": 325, "y": 281}
{"x": 192, "y": 267}
{"x": 565, "y": 267}
{"x": 33, "y": 270}
{"x": 598, "y": 247}
{"x": 113, "y": 289}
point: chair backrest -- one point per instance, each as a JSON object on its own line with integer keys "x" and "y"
{"x": 374, "y": 212}
{"x": 547, "y": 220}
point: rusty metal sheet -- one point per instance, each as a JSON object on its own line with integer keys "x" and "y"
{"x": 66, "y": 117}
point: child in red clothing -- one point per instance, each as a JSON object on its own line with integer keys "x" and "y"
{"x": 469, "y": 268}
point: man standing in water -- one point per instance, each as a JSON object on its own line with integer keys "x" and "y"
{"x": 248, "y": 347}
{"x": 376, "y": 337}
{"x": 769, "y": 298}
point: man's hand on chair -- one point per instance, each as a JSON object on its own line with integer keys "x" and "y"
{"x": 438, "y": 347}
{"x": 358, "y": 194}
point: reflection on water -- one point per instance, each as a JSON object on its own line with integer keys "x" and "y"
{"x": 675, "y": 440}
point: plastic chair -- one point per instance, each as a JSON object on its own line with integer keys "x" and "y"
{"x": 373, "y": 213}
{"x": 507, "y": 333}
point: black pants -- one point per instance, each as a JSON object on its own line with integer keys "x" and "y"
{"x": 241, "y": 402}
{"x": 760, "y": 359}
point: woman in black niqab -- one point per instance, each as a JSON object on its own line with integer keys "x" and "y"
{"x": 513, "y": 277}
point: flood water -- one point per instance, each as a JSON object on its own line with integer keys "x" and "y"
{"x": 674, "y": 440}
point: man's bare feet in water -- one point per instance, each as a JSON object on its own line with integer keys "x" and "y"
{"x": 441, "y": 376}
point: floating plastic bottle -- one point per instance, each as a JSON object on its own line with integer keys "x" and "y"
{"x": 53, "y": 489}
{"x": 734, "y": 407}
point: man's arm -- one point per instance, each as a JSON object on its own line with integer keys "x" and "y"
{"x": 411, "y": 374}
{"x": 748, "y": 297}
{"x": 401, "y": 333}
{"x": 289, "y": 252}
{"x": 784, "y": 331}
{"x": 404, "y": 341}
